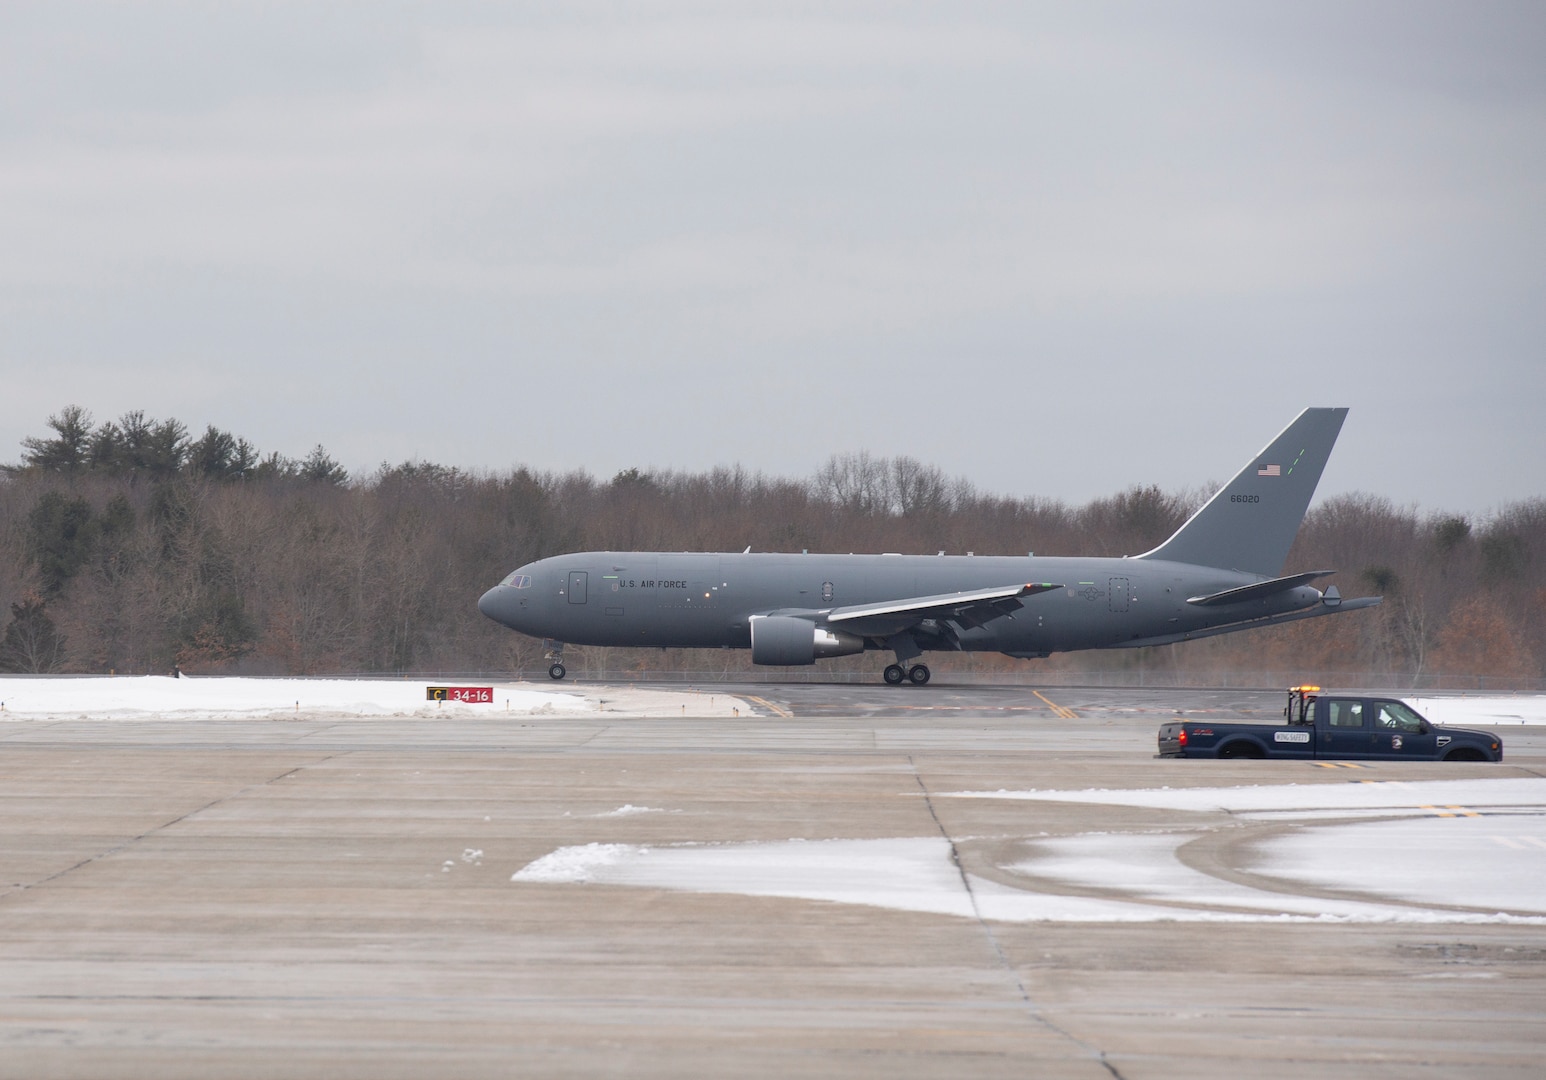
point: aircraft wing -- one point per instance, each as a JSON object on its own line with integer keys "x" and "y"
{"x": 971, "y": 608}
{"x": 1259, "y": 590}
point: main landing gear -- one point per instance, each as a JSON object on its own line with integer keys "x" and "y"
{"x": 896, "y": 674}
{"x": 906, "y": 649}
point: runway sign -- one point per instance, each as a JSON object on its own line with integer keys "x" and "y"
{"x": 475, "y": 694}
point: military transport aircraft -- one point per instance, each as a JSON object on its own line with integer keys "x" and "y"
{"x": 1219, "y": 573}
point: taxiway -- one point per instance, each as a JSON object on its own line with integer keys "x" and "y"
{"x": 846, "y": 880}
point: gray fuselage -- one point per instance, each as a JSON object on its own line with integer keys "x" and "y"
{"x": 693, "y": 600}
{"x": 1215, "y": 574}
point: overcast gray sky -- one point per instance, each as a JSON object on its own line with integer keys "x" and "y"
{"x": 1057, "y": 249}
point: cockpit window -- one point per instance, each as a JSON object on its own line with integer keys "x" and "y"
{"x": 518, "y": 581}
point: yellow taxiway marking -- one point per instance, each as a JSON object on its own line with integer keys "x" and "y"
{"x": 1450, "y": 811}
{"x": 1339, "y": 765}
{"x": 969, "y": 708}
{"x": 1520, "y": 843}
{"x": 1062, "y": 712}
{"x": 777, "y": 710}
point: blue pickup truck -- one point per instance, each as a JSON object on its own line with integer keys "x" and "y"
{"x": 1344, "y": 727}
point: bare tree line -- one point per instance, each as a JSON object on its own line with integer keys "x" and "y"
{"x": 132, "y": 547}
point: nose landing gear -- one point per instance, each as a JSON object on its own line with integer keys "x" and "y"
{"x": 555, "y": 653}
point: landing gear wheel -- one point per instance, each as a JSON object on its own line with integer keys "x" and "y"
{"x": 919, "y": 674}
{"x": 894, "y": 674}
{"x": 557, "y": 671}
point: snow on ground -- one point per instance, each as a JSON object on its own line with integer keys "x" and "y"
{"x": 163, "y": 698}
{"x": 629, "y": 809}
{"x": 1146, "y": 866}
{"x": 1307, "y": 800}
{"x": 1462, "y": 710}
{"x": 909, "y": 874}
{"x": 1462, "y": 851}
{"x": 918, "y": 874}
{"x": 1488, "y": 862}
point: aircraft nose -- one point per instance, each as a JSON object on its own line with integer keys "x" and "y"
{"x": 498, "y": 604}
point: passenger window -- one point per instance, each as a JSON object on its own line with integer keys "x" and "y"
{"x": 1393, "y": 716}
{"x": 1345, "y": 714}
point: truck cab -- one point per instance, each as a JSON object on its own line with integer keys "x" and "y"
{"x": 1363, "y": 727}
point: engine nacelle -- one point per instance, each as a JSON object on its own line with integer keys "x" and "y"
{"x": 786, "y": 641}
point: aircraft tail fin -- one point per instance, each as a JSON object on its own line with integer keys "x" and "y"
{"x": 1250, "y": 522}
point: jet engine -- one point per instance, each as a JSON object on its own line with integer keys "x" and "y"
{"x": 786, "y": 640}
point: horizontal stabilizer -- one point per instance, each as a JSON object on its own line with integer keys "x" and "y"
{"x": 978, "y": 602}
{"x": 1318, "y": 611}
{"x": 1260, "y": 590}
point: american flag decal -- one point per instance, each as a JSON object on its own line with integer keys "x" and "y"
{"x": 1270, "y": 470}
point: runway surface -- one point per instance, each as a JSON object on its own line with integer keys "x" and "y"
{"x": 843, "y": 880}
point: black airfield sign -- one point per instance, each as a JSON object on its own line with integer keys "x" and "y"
{"x": 475, "y": 694}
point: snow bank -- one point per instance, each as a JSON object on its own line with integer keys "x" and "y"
{"x": 1461, "y": 710}
{"x": 165, "y": 698}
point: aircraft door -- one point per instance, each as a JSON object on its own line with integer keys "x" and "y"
{"x": 577, "y": 580}
{"x": 1116, "y": 599}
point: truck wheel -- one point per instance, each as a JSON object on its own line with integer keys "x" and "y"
{"x": 1464, "y": 753}
{"x": 1241, "y": 749}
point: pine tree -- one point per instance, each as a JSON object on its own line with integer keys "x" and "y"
{"x": 69, "y": 451}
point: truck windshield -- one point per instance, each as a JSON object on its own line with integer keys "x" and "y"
{"x": 1394, "y": 716}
